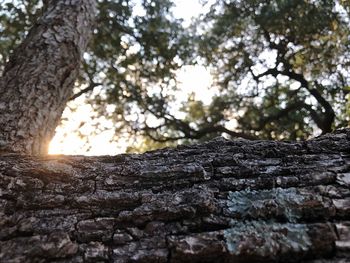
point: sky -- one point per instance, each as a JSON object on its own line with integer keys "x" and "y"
{"x": 192, "y": 79}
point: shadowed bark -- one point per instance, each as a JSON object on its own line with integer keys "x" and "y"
{"x": 222, "y": 201}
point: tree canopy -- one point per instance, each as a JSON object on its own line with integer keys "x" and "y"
{"x": 280, "y": 68}
{"x": 283, "y": 66}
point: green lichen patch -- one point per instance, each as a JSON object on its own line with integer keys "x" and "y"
{"x": 261, "y": 240}
{"x": 291, "y": 205}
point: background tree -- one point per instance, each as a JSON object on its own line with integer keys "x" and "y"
{"x": 281, "y": 70}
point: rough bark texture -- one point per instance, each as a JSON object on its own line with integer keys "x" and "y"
{"x": 223, "y": 201}
{"x": 39, "y": 78}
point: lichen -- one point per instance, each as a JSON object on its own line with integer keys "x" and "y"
{"x": 261, "y": 239}
{"x": 275, "y": 203}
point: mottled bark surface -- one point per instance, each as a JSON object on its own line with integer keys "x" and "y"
{"x": 39, "y": 78}
{"x": 223, "y": 201}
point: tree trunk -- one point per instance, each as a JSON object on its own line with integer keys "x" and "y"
{"x": 39, "y": 78}
{"x": 222, "y": 201}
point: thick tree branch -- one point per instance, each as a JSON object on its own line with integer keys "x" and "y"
{"x": 188, "y": 131}
{"x": 272, "y": 71}
{"x": 325, "y": 121}
{"x": 280, "y": 114}
{"x": 222, "y": 201}
{"x": 91, "y": 87}
{"x": 191, "y": 133}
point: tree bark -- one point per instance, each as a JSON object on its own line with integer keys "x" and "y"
{"x": 222, "y": 201}
{"x": 38, "y": 80}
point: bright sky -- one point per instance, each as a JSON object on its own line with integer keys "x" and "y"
{"x": 195, "y": 79}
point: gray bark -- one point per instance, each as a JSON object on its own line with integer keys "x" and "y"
{"x": 222, "y": 201}
{"x": 39, "y": 78}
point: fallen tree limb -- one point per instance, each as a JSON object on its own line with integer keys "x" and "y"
{"x": 222, "y": 201}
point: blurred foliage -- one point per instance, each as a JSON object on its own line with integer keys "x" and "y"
{"x": 286, "y": 63}
{"x": 281, "y": 67}
{"x": 16, "y": 18}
